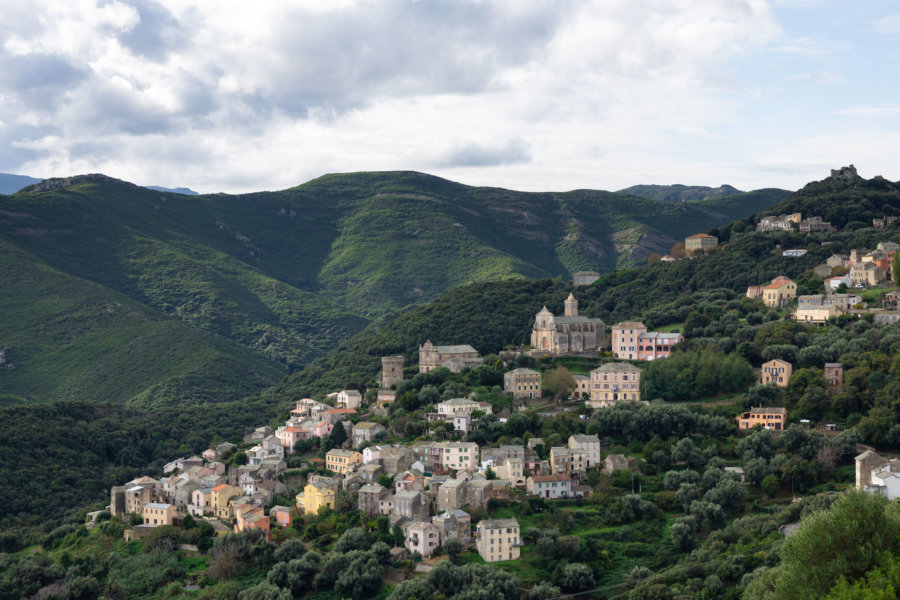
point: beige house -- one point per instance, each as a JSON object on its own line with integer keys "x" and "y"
{"x": 777, "y": 372}
{"x": 568, "y": 333}
{"x": 349, "y": 399}
{"x": 462, "y": 406}
{"x": 867, "y": 274}
{"x": 422, "y": 537}
{"x": 613, "y": 382}
{"x": 582, "y": 386}
{"x": 511, "y": 469}
{"x": 339, "y": 461}
{"x": 158, "y": 513}
{"x": 779, "y": 292}
{"x": 459, "y": 455}
{"x": 818, "y": 315}
{"x": 700, "y": 242}
{"x": 455, "y": 358}
{"x": 498, "y": 539}
{"x": 522, "y": 383}
{"x": 221, "y": 496}
{"x": 618, "y": 462}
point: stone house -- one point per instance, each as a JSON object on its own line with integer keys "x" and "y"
{"x": 498, "y": 539}
{"x": 220, "y": 497}
{"x": 201, "y": 502}
{"x": 336, "y": 415}
{"x": 892, "y": 300}
{"x": 453, "y": 524}
{"x": 478, "y": 492}
{"x": 614, "y": 382}
{"x": 618, "y": 462}
{"x": 462, "y": 406}
{"x": 370, "y": 472}
{"x": 838, "y": 260}
{"x": 834, "y": 374}
{"x": 452, "y": 495}
{"x": 366, "y": 431}
{"x": 409, "y": 505}
{"x": 251, "y": 517}
{"x": 370, "y": 497}
{"x": 568, "y": 461}
{"x": 776, "y": 371}
{"x": 454, "y": 358}
{"x": 522, "y": 383}
{"x": 700, "y": 242}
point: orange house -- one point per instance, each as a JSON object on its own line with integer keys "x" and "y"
{"x": 770, "y": 418}
{"x": 247, "y": 516}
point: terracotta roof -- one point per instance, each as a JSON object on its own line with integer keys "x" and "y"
{"x": 777, "y": 284}
{"x": 546, "y": 478}
{"x": 220, "y": 487}
{"x": 341, "y": 411}
{"x": 701, "y": 235}
{"x": 294, "y": 430}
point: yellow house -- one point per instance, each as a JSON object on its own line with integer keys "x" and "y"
{"x": 779, "y": 292}
{"x": 776, "y": 372}
{"x": 314, "y": 497}
{"x": 816, "y": 314}
{"x": 220, "y": 495}
{"x": 158, "y": 513}
{"x": 339, "y": 461}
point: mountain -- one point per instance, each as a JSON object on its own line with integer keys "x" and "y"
{"x": 10, "y": 184}
{"x": 684, "y": 193}
{"x": 290, "y": 274}
{"x": 179, "y": 190}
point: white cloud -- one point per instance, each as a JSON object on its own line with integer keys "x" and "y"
{"x": 227, "y": 96}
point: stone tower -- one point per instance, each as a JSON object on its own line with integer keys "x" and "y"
{"x": 391, "y": 370}
{"x": 571, "y": 306}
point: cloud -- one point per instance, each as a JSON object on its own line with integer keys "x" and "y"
{"x": 475, "y": 154}
{"x": 889, "y": 25}
{"x": 226, "y": 96}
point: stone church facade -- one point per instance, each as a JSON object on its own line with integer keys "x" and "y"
{"x": 569, "y": 333}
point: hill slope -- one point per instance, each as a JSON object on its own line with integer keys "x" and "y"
{"x": 64, "y": 338}
{"x": 289, "y": 274}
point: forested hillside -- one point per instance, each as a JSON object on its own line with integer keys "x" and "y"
{"x": 286, "y": 275}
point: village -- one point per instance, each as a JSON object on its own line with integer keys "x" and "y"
{"x": 429, "y": 488}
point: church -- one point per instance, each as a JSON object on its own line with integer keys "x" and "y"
{"x": 569, "y": 333}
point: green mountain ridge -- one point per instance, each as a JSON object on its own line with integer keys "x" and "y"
{"x": 682, "y": 193}
{"x": 290, "y": 274}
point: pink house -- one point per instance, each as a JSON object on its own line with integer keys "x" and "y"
{"x": 322, "y": 428}
{"x": 282, "y": 516}
{"x": 653, "y": 344}
{"x": 291, "y": 435}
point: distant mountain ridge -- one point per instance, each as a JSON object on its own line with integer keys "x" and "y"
{"x": 10, "y": 184}
{"x": 682, "y": 193}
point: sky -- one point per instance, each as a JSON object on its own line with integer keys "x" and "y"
{"x": 235, "y": 96}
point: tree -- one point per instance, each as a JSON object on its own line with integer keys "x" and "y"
{"x": 769, "y": 485}
{"x": 847, "y": 541}
{"x": 576, "y": 577}
{"x": 559, "y": 382}
{"x": 336, "y": 438}
{"x": 543, "y": 591}
{"x": 352, "y": 539}
{"x": 686, "y": 494}
{"x": 265, "y": 591}
{"x": 683, "y": 535}
{"x": 453, "y": 547}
